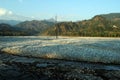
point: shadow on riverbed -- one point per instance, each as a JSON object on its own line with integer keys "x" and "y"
{"x": 21, "y": 38}
{"x": 14, "y": 67}
{"x": 97, "y": 60}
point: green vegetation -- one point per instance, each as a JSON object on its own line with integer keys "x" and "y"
{"x": 112, "y": 16}
{"x": 99, "y": 26}
{"x": 34, "y": 27}
{"x": 7, "y": 30}
{"x": 27, "y": 28}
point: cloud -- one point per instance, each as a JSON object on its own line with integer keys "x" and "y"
{"x": 4, "y": 12}
{"x": 33, "y": 17}
{"x": 10, "y": 12}
{"x": 9, "y": 15}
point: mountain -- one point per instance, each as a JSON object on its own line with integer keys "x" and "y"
{"x": 34, "y": 27}
{"x": 50, "y": 20}
{"x": 10, "y": 22}
{"x": 97, "y": 26}
{"x": 6, "y": 27}
{"x": 8, "y": 30}
{"x": 107, "y": 25}
{"x": 112, "y": 16}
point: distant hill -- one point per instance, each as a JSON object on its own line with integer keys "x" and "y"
{"x": 97, "y": 26}
{"x": 8, "y": 30}
{"x": 10, "y": 22}
{"x": 107, "y": 25}
{"x": 112, "y": 16}
{"x": 34, "y": 27}
{"x": 50, "y": 20}
{"x": 6, "y": 27}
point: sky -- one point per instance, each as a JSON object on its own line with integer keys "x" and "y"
{"x": 66, "y": 10}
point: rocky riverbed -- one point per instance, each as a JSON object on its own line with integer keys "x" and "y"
{"x": 13, "y": 67}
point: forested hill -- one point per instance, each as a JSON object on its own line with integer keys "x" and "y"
{"x": 112, "y": 16}
{"x": 34, "y": 27}
{"x": 8, "y": 30}
{"x": 105, "y": 25}
{"x": 97, "y": 26}
{"x": 10, "y": 22}
{"x": 26, "y": 28}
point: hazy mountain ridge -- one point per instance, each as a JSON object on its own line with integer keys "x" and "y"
{"x": 10, "y": 22}
{"x": 33, "y": 27}
{"x": 99, "y": 25}
{"x": 112, "y": 16}
{"x": 8, "y": 30}
{"x": 27, "y": 27}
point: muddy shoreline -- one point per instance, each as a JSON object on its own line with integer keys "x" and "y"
{"x": 13, "y": 67}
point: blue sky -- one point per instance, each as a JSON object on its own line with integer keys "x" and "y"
{"x": 66, "y": 10}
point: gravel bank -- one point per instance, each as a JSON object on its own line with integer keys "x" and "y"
{"x": 13, "y": 67}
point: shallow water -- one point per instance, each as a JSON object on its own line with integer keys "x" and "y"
{"x": 91, "y": 49}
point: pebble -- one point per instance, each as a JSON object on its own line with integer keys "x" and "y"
{"x": 40, "y": 69}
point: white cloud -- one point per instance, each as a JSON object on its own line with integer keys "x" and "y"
{"x": 2, "y": 11}
{"x": 9, "y": 15}
{"x": 5, "y": 12}
{"x": 10, "y": 12}
{"x": 33, "y": 17}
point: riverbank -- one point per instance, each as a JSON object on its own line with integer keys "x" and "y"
{"x": 90, "y": 49}
{"x": 13, "y": 67}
